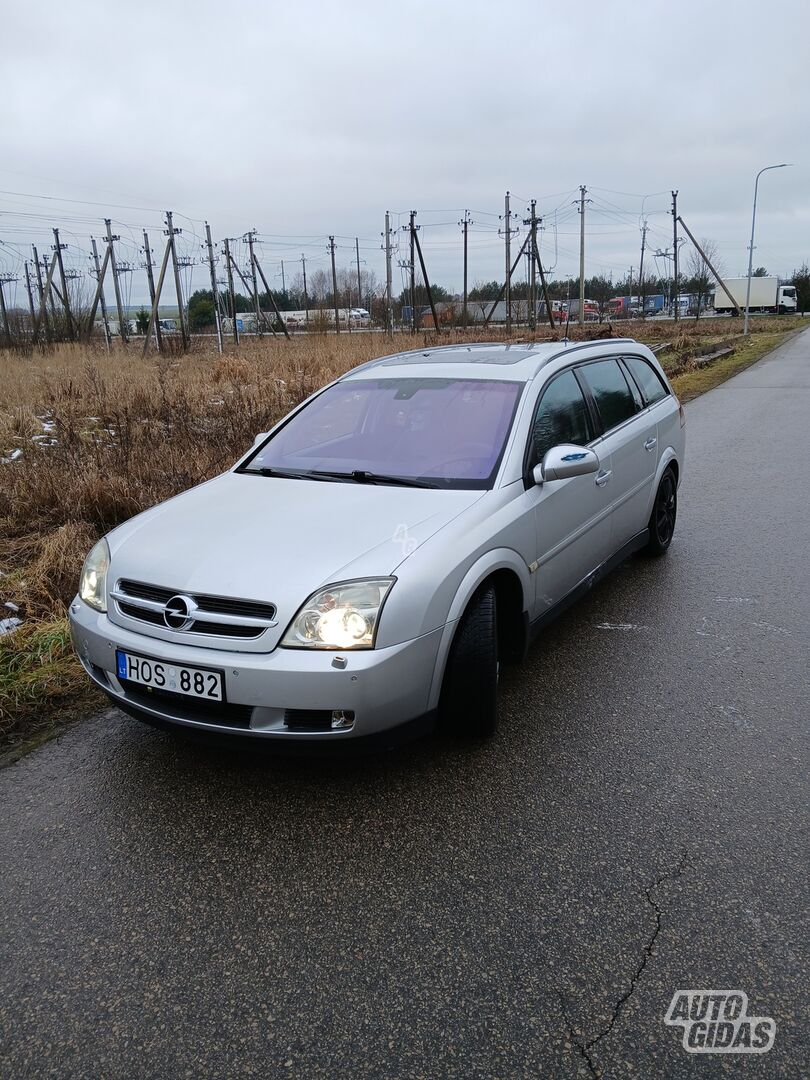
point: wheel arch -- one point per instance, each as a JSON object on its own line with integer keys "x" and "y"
{"x": 668, "y": 460}
{"x": 508, "y": 572}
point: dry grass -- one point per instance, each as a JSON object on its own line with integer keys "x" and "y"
{"x": 106, "y": 435}
{"x": 41, "y": 682}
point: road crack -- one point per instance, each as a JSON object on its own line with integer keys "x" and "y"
{"x": 585, "y": 1049}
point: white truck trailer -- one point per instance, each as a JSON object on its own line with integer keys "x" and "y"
{"x": 767, "y": 295}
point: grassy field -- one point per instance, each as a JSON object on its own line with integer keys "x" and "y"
{"x": 89, "y": 438}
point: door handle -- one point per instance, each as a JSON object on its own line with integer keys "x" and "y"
{"x": 651, "y": 443}
{"x": 603, "y": 477}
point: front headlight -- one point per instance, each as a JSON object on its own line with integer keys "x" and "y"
{"x": 93, "y": 583}
{"x": 341, "y": 616}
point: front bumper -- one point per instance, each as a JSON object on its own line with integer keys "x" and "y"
{"x": 383, "y": 688}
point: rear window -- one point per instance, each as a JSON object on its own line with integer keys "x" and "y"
{"x": 647, "y": 379}
{"x": 610, "y": 391}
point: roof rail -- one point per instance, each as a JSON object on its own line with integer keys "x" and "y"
{"x": 567, "y": 348}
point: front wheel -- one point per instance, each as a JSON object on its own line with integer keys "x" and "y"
{"x": 662, "y": 519}
{"x": 468, "y": 704}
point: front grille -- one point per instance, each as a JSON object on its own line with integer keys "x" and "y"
{"x": 141, "y": 613}
{"x": 186, "y": 708}
{"x": 128, "y": 593}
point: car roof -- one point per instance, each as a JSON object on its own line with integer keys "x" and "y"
{"x": 513, "y": 362}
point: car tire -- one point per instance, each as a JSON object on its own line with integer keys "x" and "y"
{"x": 469, "y": 697}
{"x": 664, "y": 513}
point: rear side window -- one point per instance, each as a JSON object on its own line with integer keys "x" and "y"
{"x": 610, "y": 392}
{"x": 561, "y": 417}
{"x": 647, "y": 378}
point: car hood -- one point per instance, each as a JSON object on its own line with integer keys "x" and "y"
{"x": 276, "y": 540}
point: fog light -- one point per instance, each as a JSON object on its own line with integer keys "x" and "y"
{"x": 342, "y": 718}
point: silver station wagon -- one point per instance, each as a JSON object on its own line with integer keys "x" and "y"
{"x": 373, "y": 559}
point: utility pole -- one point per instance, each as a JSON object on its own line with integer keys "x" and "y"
{"x": 334, "y": 284}
{"x": 412, "y": 228}
{"x": 38, "y": 270}
{"x": 104, "y": 315}
{"x": 582, "y": 193}
{"x": 465, "y": 225}
{"x": 273, "y": 304}
{"x": 675, "y": 304}
{"x": 41, "y": 293}
{"x": 426, "y": 279}
{"x": 150, "y": 278}
{"x": 257, "y": 307}
{"x": 507, "y": 221}
{"x": 546, "y": 299}
{"x": 29, "y": 290}
{"x": 252, "y": 289}
{"x": 359, "y": 285}
{"x": 534, "y": 259}
{"x": 214, "y": 292}
{"x": 641, "y": 287}
{"x": 45, "y": 294}
{"x": 523, "y": 247}
{"x": 283, "y": 279}
{"x": 389, "y": 300}
{"x": 306, "y": 297}
{"x": 122, "y": 329}
{"x": 231, "y": 293}
{"x": 5, "y": 279}
{"x": 171, "y": 232}
{"x": 59, "y": 248}
{"x": 706, "y": 259}
{"x": 153, "y": 315}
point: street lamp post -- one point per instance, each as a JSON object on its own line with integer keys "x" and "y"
{"x": 784, "y": 165}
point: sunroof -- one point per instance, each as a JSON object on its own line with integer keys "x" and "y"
{"x": 501, "y": 357}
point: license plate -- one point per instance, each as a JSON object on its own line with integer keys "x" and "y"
{"x": 176, "y": 678}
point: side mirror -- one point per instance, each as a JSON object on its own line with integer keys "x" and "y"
{"x": 564, "y": 461}
{"x": 260, "y": 436}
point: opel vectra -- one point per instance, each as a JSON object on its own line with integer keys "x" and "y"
{"x": 371, "y": 561}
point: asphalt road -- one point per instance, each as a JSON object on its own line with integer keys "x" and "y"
{"x": 503, "y": 910}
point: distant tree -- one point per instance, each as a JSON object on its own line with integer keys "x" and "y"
{"x": 699, "y": 277}
{"x": 201, "y": 309}
{"x": 801, "y": 280}
{"x": 485, "y": 290}
{"x": 600, "y": 289}
{"x": 440, "y": 295}
{"x": 142, "y": 320}
{"x": 760, "y": 272}
{"x": 284, "y": 301}
{"x": 242, "y": 302}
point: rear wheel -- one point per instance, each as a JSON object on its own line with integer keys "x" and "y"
{"x": 665, "y": 511}
{"x": 468, "y": 704}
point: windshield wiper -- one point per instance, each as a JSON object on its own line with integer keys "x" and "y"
{"x": 290, "y": 474}
{"x": 361, "y": 476}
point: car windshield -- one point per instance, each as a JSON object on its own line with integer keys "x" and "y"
{"x": 440, "y": 432}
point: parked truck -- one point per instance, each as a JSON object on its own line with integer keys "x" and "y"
{"x": 619, "y": 307}
{"x": 767, "y": 295}
{"x": 590, "y": 309}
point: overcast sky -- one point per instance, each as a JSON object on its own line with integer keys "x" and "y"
{"x": 310, "y": 119}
